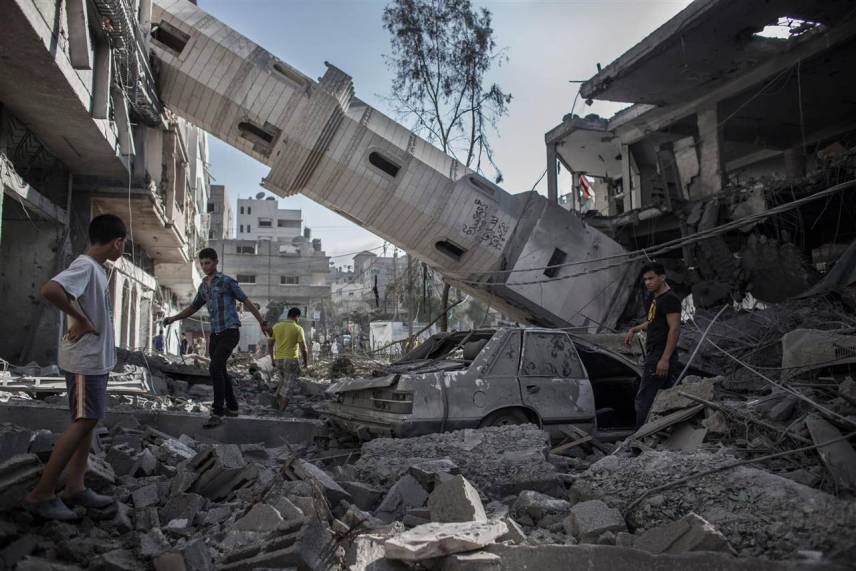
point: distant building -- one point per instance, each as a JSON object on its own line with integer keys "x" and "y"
{"x": 221, "y": 224}
{"x": 263, "y": 219}
{"x": 376, "y": 276}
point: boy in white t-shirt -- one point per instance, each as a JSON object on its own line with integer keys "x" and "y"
{"x": 86, "y": 356}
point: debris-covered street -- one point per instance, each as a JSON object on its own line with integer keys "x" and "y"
{"x": 399, "y": 353}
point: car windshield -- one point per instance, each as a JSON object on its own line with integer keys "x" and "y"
{"x": 464, "y": 347}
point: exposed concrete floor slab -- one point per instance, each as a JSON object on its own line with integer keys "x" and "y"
{"x": 271, "y": 432}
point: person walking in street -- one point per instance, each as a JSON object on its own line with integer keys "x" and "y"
{"x": 87, "y": 354}
{"x": 663, "y": 326}
{"x": 219, "y": 293}
{"x": 287, "y": 339}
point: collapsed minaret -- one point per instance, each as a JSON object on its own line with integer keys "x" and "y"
{"x": 320, "y": 140}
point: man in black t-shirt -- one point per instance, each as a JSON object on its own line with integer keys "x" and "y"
{"x": 664, "y": 327}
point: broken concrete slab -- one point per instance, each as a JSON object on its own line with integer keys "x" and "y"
{"x": 614, "y": 558}
{"x": 531, "y": 507}
{"x": 456, "y": 500}
{"x": 670, "y": 400}
{"x": 18, "y": 475}
{"x": 261, "y": 517}
{"x": 309, "y": 549}
{"x": 515, "y": 533}
{"x": 193, "y": 555}
{"x": 364, "y": 496}
{"x": 405, "y": 494}
{"x": 222, "y": 470}
{"x": 479, "y": 561}
{"x": 438, "y": 539}
{"x": 839, "y": 457}
{"x": 146, "y": 496}
{"x": 181, "y": 506}
{"x": 498, "y": 461}
{"x": 427, "y": 472}
{"x": 690, "y": 533}
{"x": 587, "y": 520}
{"x": 685, "y": 437}
{"x": 312, "y": 473}
{"x": 270, "y": 431}
{"x": 366, "y": 552}
{"x": 14, "y": 440}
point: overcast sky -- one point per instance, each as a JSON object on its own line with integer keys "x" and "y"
{"x": 548, "y": 44}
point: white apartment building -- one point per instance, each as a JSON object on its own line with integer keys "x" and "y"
{"x": 261, "y": 219}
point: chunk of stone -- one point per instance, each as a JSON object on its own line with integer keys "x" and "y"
{"x": 310, "y": 472}
{"x": 287, "y": 509}
{"x": 782, "y": 410}
{"x": 456, "y": 500}
{"x": 43, "y": 444}
{"x": 405, "y": 494}
{"x": 221, "y": 470}
{"x": 262, "y": 517}
{"x": 438, "y": 539}
{"x": 690, "y": 533}
{"x": 14, "y": 440}
{"x": 122, "y": 459}
{"x": 588, "y": 520}
{"x": 364, "y": 496}
{"x": 193, "y": 556}
{"x": 146, "y": 496}
{"x": 515, "y": 533}
{"x": 531, "y": 507}
{"x": 99, "y": 474}
{"x": 847, "y": 389}
{"x": 480, "y": 561}
{"x": 18, "y": 475}
{"x": 17, "y": 550}
{"x": 181, "y": 506}
{"x": 427, "y": 472}
{"x": 670, "y": 400}
{"x": 119, "y": 560}
{"x": 366, "y": 552}
{"x": 153, "y": 543}
{"x": 309, "y": 548}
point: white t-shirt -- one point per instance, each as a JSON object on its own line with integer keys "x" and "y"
{"x": 86, "y": 281}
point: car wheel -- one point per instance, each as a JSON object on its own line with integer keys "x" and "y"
{"x": 505, "y": 418}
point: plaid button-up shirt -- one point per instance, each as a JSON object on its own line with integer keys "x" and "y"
{"x": 219, "y": 298}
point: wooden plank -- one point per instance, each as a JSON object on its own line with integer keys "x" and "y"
{"x": 839, "y": 458}
{"x": 569, "y": 445}
{"x": 664, "y": 422}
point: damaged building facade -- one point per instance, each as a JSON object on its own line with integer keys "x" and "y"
{"x": 83, "y": 132}
{"x": 739, "y": 109}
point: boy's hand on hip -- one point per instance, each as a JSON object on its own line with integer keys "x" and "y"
{"x": 78, "y": 330}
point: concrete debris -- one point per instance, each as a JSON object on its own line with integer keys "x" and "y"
{"x": 18, "y": 475}
{"x": 331, "y": 489}
{"x": 481, "y": 561}
{"x": 262, "y": 517}
{"x": 587, "y": 521}
{"x": 438, "y": 539}
{"x": 838, "y": 457}
{"x": 531, "y": 508}
{"x": 455, "y": 500}
{"x": 690, "y": 533}
{"x": 499, "y": 461}
{"x": 222, "y": 470}
{"x": 405, "y": 494}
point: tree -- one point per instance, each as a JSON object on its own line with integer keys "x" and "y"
{"x": 441, "y": 52}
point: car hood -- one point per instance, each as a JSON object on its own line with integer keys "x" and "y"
{"x": 347, "y": 385}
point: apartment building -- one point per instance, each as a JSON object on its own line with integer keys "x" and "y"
{"x": 262, "y": 219}
{"x": 83, "y": 132}
{"x": 221, "y": 215}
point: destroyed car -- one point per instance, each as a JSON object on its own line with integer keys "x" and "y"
{"x": 492, "y": 377}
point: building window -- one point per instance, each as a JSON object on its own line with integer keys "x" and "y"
{"x": 211, "y": 234}
{"x": 452, "y": 250}
{"x": 282, "y": 223}
{"x": 249, "y": 209}
{"x": 384, "y": 164}
{"x": 248, "y": 229}
{"x": 242, "y": 210}
{"x": 245, "y": 249}
{"x": 251, "y": 348}
{"x": 245, "y": 279}
{"x": 554, "y": 265}
{"x": 265, "y": 223}
{"x": 170, "y": 37}
{"x": 289, "y": 280}
{"x": 241, "y": 229}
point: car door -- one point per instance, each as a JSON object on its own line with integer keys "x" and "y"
{"x": 552, "y": 378}
{"x": 498, "y": 387}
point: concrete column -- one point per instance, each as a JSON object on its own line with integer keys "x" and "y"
{"x": 123, "y": 124}
{"x": 626, "y": 177}
{"x": 146, "y": 21}
{"x": 79, "y": 44}
{"x": 102, "y": 81}
{"x": 552, "y": 176}
{"x": 711, "y": 166}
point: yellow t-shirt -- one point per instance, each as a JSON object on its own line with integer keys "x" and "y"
{"x": 286, "y": 336}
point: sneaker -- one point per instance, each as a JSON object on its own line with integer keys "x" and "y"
{"x": 52, "y": 509}
{"x": 89, "y": 499}
{"x": 213, "y": 421}
{"x": 232, "y": 412}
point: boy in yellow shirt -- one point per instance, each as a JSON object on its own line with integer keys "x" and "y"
{"x": 287, "y": 339}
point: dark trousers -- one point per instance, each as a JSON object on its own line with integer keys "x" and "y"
{"x": 651, "y": 383}
{"x": 220, "y": 346}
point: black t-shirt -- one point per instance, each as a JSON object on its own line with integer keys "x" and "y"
{"x": 658, "y": 326}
